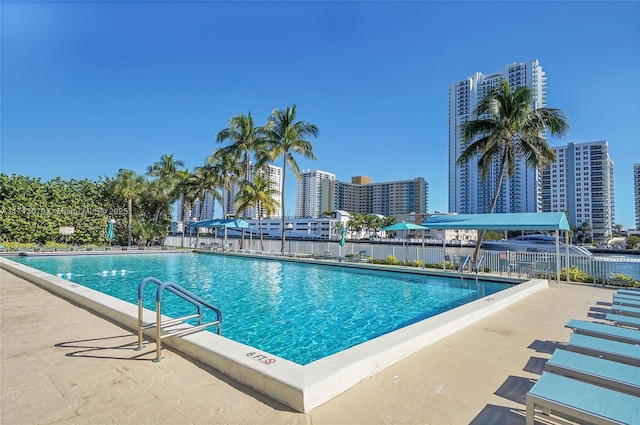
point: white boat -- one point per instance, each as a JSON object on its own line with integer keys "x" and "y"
{"x": 533, "y": 243}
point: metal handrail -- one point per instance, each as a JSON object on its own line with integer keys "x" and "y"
{"x": 158, "y": 324}
{"x": 464, "y": 264}
{"x": 479, "y": 263}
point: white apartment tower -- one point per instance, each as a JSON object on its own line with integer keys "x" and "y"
{"x": 636, "y": 192}
{"x": 467, "y": 193}
{"x": 308, "y": 193}
{"x": 268, "y": 171}
{"x": 580, "y": 182}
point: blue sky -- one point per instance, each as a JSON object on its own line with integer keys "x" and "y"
{"x": 92, "y": 87}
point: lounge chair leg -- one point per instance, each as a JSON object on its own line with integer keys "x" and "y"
{"x": 530, "y": 412}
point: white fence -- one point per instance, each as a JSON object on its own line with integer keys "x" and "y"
{"x": 520, "y": 263}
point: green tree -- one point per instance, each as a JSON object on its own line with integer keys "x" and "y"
{"x": 188, "y": 189}
{"x": 506, "y": 130}
{"x": 632, "y": 241}
{"x": 228, "y": 170}
{"x": 164, "y": 186}
{"x": 287, "y": 137}
{"x": 585, "y": 228}
{"x": 206, "y": 182}
{"x": 246, "y": 139}
{"x": 618, "y": 228}
{"x": 258, "y": 194}
{"x": 129, "y": 186}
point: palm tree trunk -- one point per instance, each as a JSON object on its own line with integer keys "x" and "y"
{"x": 284, "y": 176}
{"x": 200, "y": 212}
{"x": 494, "y": 201}
{"x": 260, "y": 228}
{"x": 130, "y": 216}
{"x": 184, "y": 227}
{"x": 246, "y": 180}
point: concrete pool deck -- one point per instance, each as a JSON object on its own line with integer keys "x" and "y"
{"x": 63, "y": 364}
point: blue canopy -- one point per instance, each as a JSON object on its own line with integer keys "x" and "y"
{"x": 229, "y": 223}
{"x": 520, "y": 221}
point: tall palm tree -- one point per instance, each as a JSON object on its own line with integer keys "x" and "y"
{"x": 228, "y": 170}
{"x": 164, "y": 185}
{"x": 206, "y": 182}
{"x": 258, "y": 194}
{"x": 129, "y": 186}
{"x": 508, "y": 130}
{"x": 168, "y": 166}
{"x": 246, "y": 139}
{"x": 187, "y": 190}
{"x": 287, "y": 137}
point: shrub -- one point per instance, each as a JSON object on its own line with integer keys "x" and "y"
{"x": 417, "y": 263}
{"x": 577, "y": 275}
{"x": 625, "y": 278}
{"x": 392, "y": 259}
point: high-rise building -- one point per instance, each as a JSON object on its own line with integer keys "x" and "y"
{"x": 636, "y": 191}
{"x": 308, "y": 193}
{"x": 364, "y": 197}
{"x": 580, "y": 182}
{"x": 268, "y": 171}
{"x": 468, "y": 194}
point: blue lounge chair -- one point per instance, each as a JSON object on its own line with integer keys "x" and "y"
{"x": 620, "y": 320}
{"x": 605, "y": 373}
{"x": 626, "y": 310}
{"x": 620, "y": 352}
{"x": 585, "y": 403}
{"x": 627, "y": 296}
{"x": 617, "y": 299}
{"x": 602, "y": 330}
{"x": 635, "y": 292}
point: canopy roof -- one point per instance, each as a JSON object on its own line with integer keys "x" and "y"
{"x": 519, "y": 221}
{"x": 403, "y": 225}
{"x": 229, "y": 223}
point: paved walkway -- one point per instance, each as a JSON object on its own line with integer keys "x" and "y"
{"x": 61, "y": 364}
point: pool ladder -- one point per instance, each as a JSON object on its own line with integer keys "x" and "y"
{"x": 191, "y": 298}
{"x": 468, "y": 261}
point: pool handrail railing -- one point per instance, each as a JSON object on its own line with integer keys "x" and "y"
{"x": 158, "y": 324}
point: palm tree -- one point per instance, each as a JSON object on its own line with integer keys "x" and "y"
{"x": 164, "y": 186}
{"x": 187, "y": 191}
{"x": 507, "y": 130}
{"x": 166, "y": 167}
{"x": 246, "y": 139}
{"x": 287, "y": 137}
{"x": 129, "y": 186}
{"x": 584, "y": 228}
{"x": 228, "y": 170}
{"x": 258, "y": 194}
{"x": 206, "y": 182}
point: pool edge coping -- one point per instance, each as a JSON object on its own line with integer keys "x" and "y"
{"x": 299, "y": 387}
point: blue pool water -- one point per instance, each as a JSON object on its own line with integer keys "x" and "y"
{"x": 300, "y": 312}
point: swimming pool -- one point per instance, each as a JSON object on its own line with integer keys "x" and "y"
{"x": 300, "y": 312}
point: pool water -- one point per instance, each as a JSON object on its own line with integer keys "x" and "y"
{"x": 298, "y": 311}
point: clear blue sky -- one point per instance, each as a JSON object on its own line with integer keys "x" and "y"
{"x": 92, "y": 87}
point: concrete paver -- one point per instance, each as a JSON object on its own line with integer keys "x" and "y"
{"x": 61, "y": 364}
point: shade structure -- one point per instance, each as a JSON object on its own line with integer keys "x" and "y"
{"x": 221, "y": 223}
{"x": 551, "y": 221}
{"x": 402, "y": 227}
{"x": 228, "y": 223}
{"x": 515, "y": 221}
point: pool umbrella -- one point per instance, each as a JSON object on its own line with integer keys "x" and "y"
{"x": 401, "y": 227}
{"x": 110, "y": 232}
{"x": 341, "y": 242}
